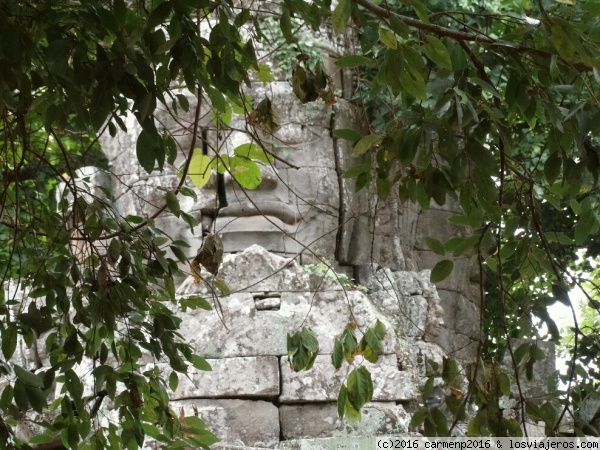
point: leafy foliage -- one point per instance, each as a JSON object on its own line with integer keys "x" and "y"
{"x": 358, "y": 389}
{"x": 303, "y": 349}
{"x": 493, "y": 109}
{"x": 506, "y": 128}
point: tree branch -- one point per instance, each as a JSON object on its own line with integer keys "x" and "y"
{"x": 459, "y": 35}
{"x": 25, "y": 173}
{"x": 432, "y": 28}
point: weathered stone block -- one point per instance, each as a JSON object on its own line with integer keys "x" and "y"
{"x": 463, "y": 348}
{"x": 339, "y": 443}
{"x": 321, "y": 421}
{"x": 249, "y": 331}
{"x": 237, "y": 422}
{"x": 410, "y": 299}
{"x": 232, "y": 377}
{"x": 434, "y": 223}
{"x": 322, "y": 382}
{"x": 460, "y": 314}
{"x": 460, "y": 278}
{"x": 313, "y": 187}
{"x": 244, "y": 330}
{"x": 256, "y": 270}
{"x": 267, "y": 231}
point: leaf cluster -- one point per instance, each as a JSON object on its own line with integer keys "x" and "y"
{"x": 358, "y": 389}
{"x": 491, "y": 111}
{"x": 505, "y": 128}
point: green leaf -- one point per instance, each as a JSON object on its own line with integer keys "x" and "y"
{"x": 337, "y": 356}
{"x": 216, "y": 99}
{"x": 222, "y": 287}
{"x": 559, "y": 237}
{"x": 254, "y": 152}
{"x": 352, "y": 415}
{"x": 428, "y": 388}
{"x": 194, "y": 302}
{"x": 466, "y": 245}
{"x": 365, "y": 143}
{"x": 9, "y": 340}
{"x": 416, "y": 420}
{"x": 199, "y": 170}
{"x": 173, "y": 381}
{"x": 20, "y": 394}
{"x": 584, "y": 226}
{"x": 347, "y": 134}
{"x": 159, "y": 15}
{"x": 482, "y": 156}
{"x": 437, "y": 52}
{"x": 562, "y": 42}
{"x": 360, "y": 387}
{"x": 435, "y": 245}
{"x": 504, "y": 383}
{"x": 199, "y": 363}
{"x": 183, "y": 102}
{"x": 450, "y": 370}
{"x": 422, "y": 196}
{"x": 370, "y": 355}
{"x": 520, "y": 352}
{"x": 441, "y": 423}
{"x": 459, "y": 220}
{"x": 7, "y": 397}
{"x": 148, "y": 149}
{"x": 178, "y": 253}
{"x": 388, "y": 38}
{"x": 134, "y": 219}
{"x": 285, "y": 24}
{"x": 264, "y": 73}
{"x": 173, "y": 203}
{"x": 354, "y": 61}
{"x": 412, "y": 82}
{"x": 303, "y": 348}
{"x": 374, "y": 341}
{"x": 384, "y": 187}
{"x": 379, "y": 329}
{"x": 114, "y": 249}
{"x": 220, "y": 119}
{"x": 548, "y": 414}
{"x": 349, "y": 342}
{"x": 340, "y": 15}
{"x": 309, "y": 340}
{"x": 42, "y": 438}
{"x": 441, "y": 271}
{"x": 75, "y": 387}
{"x": 420, "y": 9}
{"x": 70, "y": 436}
{"x": 170, "y": 287}
{"x": 30, "y": 379}
{"x": 245, "y": 172}
{"x": 355, "y": 171}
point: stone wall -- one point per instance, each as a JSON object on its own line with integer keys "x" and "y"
{"x": 253, "y": 397}
{"x": 305, "y": 209}
{"x": 280, "y": 240}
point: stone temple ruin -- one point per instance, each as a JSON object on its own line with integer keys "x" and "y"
{"x": 302, "y": 213}
{"x": 275, "y": 238}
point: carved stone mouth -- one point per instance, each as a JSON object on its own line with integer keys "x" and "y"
{"x": 275, "y": 209}
{"x": 266, "y": 230}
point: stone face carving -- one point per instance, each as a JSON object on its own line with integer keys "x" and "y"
{"x": 303, "y": 212}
